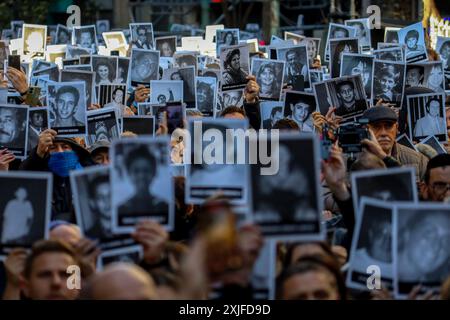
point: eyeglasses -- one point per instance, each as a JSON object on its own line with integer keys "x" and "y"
{"x": 441, "y": 187}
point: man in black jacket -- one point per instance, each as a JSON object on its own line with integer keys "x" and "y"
{"x": 59, "y": 156}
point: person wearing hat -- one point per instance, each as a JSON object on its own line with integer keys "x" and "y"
{"x": 100, "y": 152}
{"x": 383, "y": 124}
{"x": 59, "y": 156}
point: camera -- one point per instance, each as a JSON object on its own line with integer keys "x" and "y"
{"x": 351, "y": 135}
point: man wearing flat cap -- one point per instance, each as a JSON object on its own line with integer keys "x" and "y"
{"x": 383, "y": 122}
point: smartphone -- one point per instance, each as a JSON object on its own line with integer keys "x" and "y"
{"x": 33, "y": 95}
{"x": 14, "y": 61}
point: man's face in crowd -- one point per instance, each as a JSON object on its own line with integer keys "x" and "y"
{"x": 381, "y": 241}
{"x": 236, "y": 62}
{"x": 312, "y": 285}
{"x": 48, "y": 278}
{"x": 142, "y": 36}
{"x": 347, "y": 94}
{"x": 86, "y": 39}
{"x": 118, "y": 96}
{"x": 438, "y": 187}
{"x": 434, "y": 108}
{"x": 140, "y": 172}
{"x": 59, "y": 147}
{"x": 66, "y": 105}
{"x": 8, "y": 126}
{"x": 277, "y": 116}
{"x": 300, "y": 111}
{"x": 411, "y": 42}
{"x": 101, "y": 157}
{"x": 385, "y": 132}
{"x": 413, "y": 77}
{"x": 102, "y": 200}
{"x": 166, "y": 50}
{"x": 387, "y": 84}
{"x": 37, "y": 120}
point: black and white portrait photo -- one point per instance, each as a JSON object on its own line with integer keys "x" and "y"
{"x": 234, "y": 66}
{"x": 337, "y": 48}
{"x": 348, "y": 95}
{"x": 393, "y": 184}
{"x": 129, "y": 255}
{"x": 113, "y": 96}
{"x": 14, "y": 129}
{"x": 140, "y": 125}
{"x": 166, "y": 91}
{"x": 206, "y": 94}
{"x": 296, "y": 67}
{"x": 362, "y": 27}
{"x": 144, "y": 67}
{"x": 142, "y": 184}
{"x": 38, "y": 122}
{"x": 323, "y": 100}
{"x": 34, "y": 40}
{"x": 63, "y": 35}
{"x": 105, "y": 69}
{"x": 354, "y": 64}
{"x": 414, "y": 40}
{"x": 67, "y": 106}
{"x": 372, "y": 244}
{"x": 296, "y": 182}
{"x": 337, "y": 31}
{"x": 166, "y": 46}
{"x": 422, "y": 253}
{"x": 85, "y": 37}
{"x": 92, "y": 201}
{"x": 25, "y": 207}
{"x": 269, "y": 75}
{"x": 123, "y": 70}
{"x": 17, "y": 28}
{"x": 443, "y": 49}
{"x": 87, "y": 77}
{"x": 145, "y": 109}
{"x": 230, "y": 98}
{"x": 389, "y": 54}
{"x": 434, "y": 76}
{"x": 271, "y": 112}
{"x": 73, "y": 52}
{"x": 213, "y": 174}
{"x": 142, "y": 36}
{"x": 391, "y": 35}
{"x": 389, "y": 82}
{"x": 102, "y": 125}
{"x": 226, "y": 37}
{"x": 299, "y": 106}
{"x": 427, "y": 116}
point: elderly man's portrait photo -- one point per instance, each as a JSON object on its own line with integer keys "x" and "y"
{"x": 348, "y": 95}
{"x": 166, "y": 46}
{"x": 67, "y": 106}
{"x": 142, "y": 36}
{"x": 299, "y": 106}
{"x": 372, "y": 244}
{"x": 34, "y": 40}
{"x": 206, "y": 93}
{"x": 413, "y": 38}
{"x": 103, "y": 125}
{"x": 25, "y": 206}
{"x": 389, "y": 82}
{"x": 297, "y": 64}
{"x": 269, "y": 75}
{"x": 270, "y": 112}
{"x": 427, "y": 116}
{"x": 422, "y": 254}
{"x": 144, "y": 67}
{"x": 234, "y": 66}
{"x": 355, "y": 64}
{"x": 142, "y": 184}
{"x": 14, "y": 129}
{"x": 85, "y": 37}
{"x": 296, "y": 183}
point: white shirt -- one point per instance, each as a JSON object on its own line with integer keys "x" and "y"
{"x": 16, "y": 220}
{"x": 429, "y": 126}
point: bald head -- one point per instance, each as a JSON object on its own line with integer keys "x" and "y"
{"x": 122, "y": 281}
{"x": 68, "y": 233}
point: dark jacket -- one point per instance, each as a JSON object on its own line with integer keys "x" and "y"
{"x": 409, "y": 157}
{"x": 253, "y": 115}
{"x": 62, "y": 206}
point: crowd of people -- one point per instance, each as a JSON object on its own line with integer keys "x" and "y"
{"x": 207, "y": 254}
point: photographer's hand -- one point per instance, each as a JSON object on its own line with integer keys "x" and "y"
{"x": 251, "y": 91}
{"x": 373, "y": 146}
